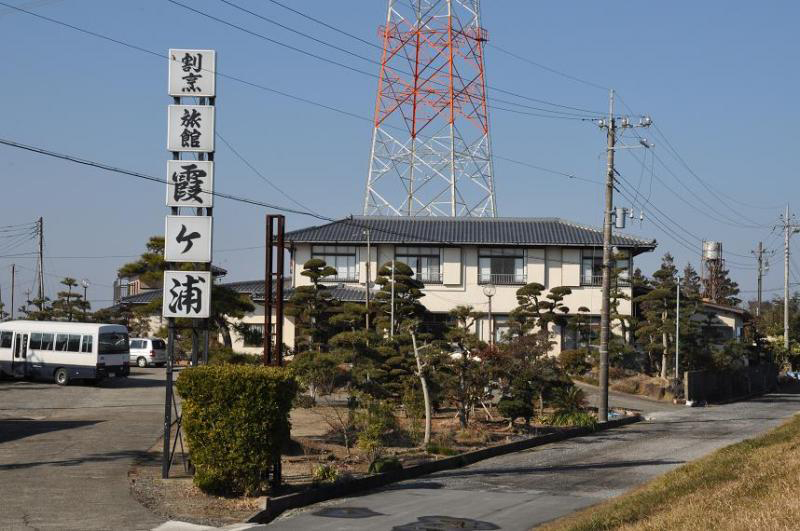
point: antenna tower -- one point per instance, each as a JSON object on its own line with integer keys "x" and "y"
{"x": 431, "y": 153}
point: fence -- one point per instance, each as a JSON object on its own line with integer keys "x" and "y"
{"x": 708, "y": 386}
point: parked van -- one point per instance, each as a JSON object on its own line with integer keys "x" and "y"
{"x": 147, "y": 351}
{"x": 59, "y": 351}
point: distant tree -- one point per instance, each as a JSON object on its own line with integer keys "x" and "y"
{"x": 467, "y": 380}
{"x": 69, "y": 306}
{"x": 407, "y": 295}
{"x": 658, "y": 312}
{"x": 718, "y": 287}
{"x": 311, "y": 306}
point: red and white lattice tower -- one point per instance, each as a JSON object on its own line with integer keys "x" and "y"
{"x": 431, "y": 154}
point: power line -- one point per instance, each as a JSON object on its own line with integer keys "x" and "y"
{"x": 556, "y": 114}
{"x": 548, "y": 69}
{"x": 372, "y": 44}
{"x": 144, "y": 176}
{"x": 674, "y": 152}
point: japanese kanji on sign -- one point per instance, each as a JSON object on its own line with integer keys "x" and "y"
{"x": 191, "y": 128}
{"x": 190, "y": 183}
{"x": 188, "y": 239}
{"x": 192, "y": 73}
{"x": 187, "y": 294}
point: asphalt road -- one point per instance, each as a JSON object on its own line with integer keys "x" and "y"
{"x": 518, "y": 491}
{"x": 65, "y": 451}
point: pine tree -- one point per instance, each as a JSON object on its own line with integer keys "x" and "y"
{"x": 311, "y": 306}
{"x": 658, "y": 312}
{"x": 467, "y": 379}
{"x": 68, "y": 306}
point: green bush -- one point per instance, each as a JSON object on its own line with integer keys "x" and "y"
{"x": 376, "y": 424}
{"x": 575, "y": 361}
{"x": 225, "y": 355}
{"x": 325, "y": 474}
{"x": 385, "y": 464}
{"x": 579, "y": 419}
{"x": 236, "y": 421}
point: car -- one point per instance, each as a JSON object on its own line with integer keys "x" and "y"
{"x": 148, "y": 351}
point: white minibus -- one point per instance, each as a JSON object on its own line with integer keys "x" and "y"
{"x": 59, "y": 351}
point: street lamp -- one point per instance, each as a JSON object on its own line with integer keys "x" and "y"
{"x": 489, "y": 290}
{"x": 85, "y": 284}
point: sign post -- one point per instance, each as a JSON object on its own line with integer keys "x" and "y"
{"x": 188, "y": 230}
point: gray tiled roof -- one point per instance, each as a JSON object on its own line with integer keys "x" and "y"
{"x": 255, "y": 289}
{"x": 457, "y": 231}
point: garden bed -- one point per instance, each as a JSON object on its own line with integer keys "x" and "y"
{"x": 315, "y": 445}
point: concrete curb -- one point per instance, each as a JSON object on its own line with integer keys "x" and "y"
{"x": 275, "y": 506}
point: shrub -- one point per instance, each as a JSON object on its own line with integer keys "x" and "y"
{"x": 304, "y": 401}
{"x": 414, "y": 406}
{"x": 385, "y": 464}
{"x": 225, "y": 355}
{"x": 516, "y": 407}
{"x": 569, "y": 400}
{"x": 325, "y": 474}
{"x": 236, "y": 421}
{"x": 376, "y": 423}
{"x": 438, "y": 448}
{"x": 575, "y": 361}
{"x": 579, "y": 418}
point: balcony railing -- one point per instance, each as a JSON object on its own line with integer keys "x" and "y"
{"x": 501, "y": 279}
{"x": 432, "y": 277}
{"x": 341, "y": 278}
{"x": 597, "y": 280}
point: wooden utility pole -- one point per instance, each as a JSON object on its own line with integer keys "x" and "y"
{"x": 605, "y": 305}
{"x": 13, "y": 287}
{"x": 40, "y": 230}
{"x": 789, "y": 228}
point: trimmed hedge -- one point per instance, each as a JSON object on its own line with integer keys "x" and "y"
{"x": 236, "y": 419}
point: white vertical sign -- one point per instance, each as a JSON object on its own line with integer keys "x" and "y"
{"x": 187, "y": 294}
{"x": 190, "y": 128}
{"x": 190, "y": 183}
{"x": 192, "y": 73}
{"x": 188, "y": 239}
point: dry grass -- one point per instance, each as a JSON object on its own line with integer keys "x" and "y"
{"x": 753, "y": 485}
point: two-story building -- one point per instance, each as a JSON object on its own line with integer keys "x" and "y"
{"x": 457, "y": 258}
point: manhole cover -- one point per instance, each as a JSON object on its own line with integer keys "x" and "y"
{"x": 445, "y": 523}
{"x": 346, "y": 512}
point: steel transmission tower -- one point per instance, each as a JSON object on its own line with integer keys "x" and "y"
{"x": 431, "y": 153}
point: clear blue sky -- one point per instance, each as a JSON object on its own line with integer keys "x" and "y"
{"x": 718, "y": 77}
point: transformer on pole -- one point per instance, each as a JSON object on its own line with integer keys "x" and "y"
{"x": 431, "y": 151}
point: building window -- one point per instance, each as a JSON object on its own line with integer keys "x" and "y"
{"x": 582, "y": 334}
{"x": 342, "y": 258}
{"x": 253, "y": 334}
{"x": 426, "y": 262}
{"x": 501, "y": 266}
{"x": 592, "y": 268}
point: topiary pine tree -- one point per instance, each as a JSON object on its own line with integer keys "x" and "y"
{"x": 311, "y": 306}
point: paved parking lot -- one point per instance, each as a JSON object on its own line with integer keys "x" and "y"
{"x": 65, "y": 451}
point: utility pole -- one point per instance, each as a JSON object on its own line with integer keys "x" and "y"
{"x": 760, "y": 278}
{"x": 41, "y": 263}
{"x": 13, "y": 287}
{"x": 677, "y": 327}
{"x": 789, "y": 228}
{"x": 605, "y": 307}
